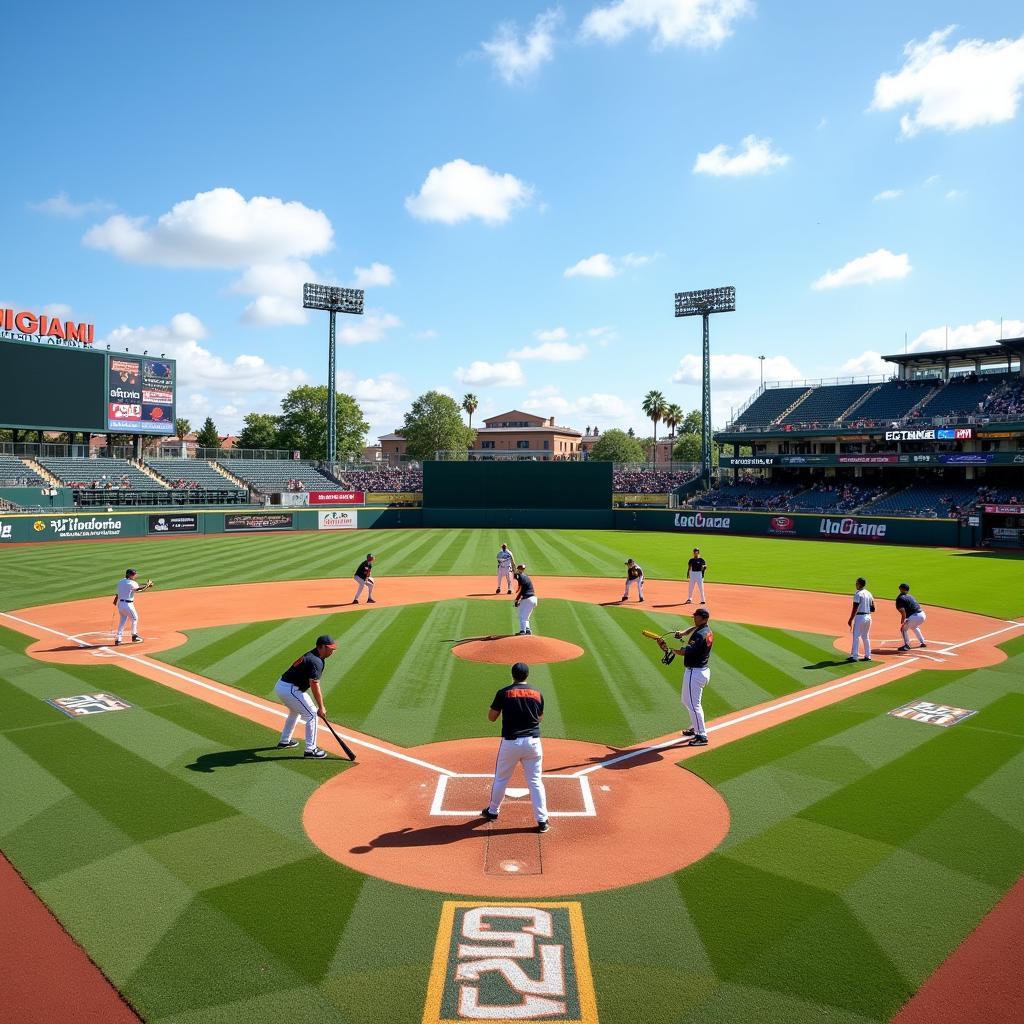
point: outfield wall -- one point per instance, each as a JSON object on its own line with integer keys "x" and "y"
{"x": 809, "y": 526}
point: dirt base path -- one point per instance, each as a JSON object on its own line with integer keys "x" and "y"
{"x": 46, "y": 974}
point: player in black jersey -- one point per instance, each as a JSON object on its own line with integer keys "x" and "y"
{"x": 695, "y": 569}
{"x": 696, "y": 673}
{"x": 293, "y": 688}
{"x": 911, "y": 616}
{"x": 364, "y": 577}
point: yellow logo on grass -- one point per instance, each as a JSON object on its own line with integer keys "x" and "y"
{"x": 511, "y": 962}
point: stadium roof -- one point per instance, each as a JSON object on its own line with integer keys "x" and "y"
{"x": 963, "y": 356}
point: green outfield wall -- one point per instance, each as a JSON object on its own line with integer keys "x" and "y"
{"x": 815, "y": 526}
{"x": 546, "y": 518}
{"x": 505, "y": 486}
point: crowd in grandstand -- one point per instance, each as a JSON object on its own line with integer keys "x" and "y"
{"x": 296, "y": 485}
{"x": 102, "y": 483}
{"x": 648, "y": 480}
{"x": 384, "y": 479}
{"x": 1007, "y": 399}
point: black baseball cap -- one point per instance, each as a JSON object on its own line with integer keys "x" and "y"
{"x": 326, "y": 641}
{"x": 904, "y": 586}
{"x": 520, "y": 671}
{"x": 131, "y": 572}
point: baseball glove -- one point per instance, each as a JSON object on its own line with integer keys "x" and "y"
{"x": 667, "y": 656}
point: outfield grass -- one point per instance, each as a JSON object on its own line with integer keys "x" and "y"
{"x": 168, "y": 838}
{"x": 987, "y": 582}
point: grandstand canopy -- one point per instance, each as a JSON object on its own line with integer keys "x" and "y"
{"x": 998, "y": 355}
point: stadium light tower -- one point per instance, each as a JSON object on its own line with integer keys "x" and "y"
{"x": 334, "y": 300}
{"x": 703, "y": 303}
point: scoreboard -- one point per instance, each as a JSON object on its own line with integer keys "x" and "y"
{"x": 53, "y": 387}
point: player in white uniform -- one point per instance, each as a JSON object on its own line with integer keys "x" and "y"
{"x": 505, "y": 563}
{"x": 634, "y": 574}
{"x": 124, "y": 602}
{"x": 860, "y": 620}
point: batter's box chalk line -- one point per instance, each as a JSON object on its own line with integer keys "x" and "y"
{"x": 586, "y": 797}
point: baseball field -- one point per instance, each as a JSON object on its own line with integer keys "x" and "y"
{"x": 820, "y": 860}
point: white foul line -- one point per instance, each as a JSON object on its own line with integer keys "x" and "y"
{"x": 237, "y": 697}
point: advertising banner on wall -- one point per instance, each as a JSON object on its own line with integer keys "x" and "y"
{"x": 239, "y": 522}
{"x": 140, "y": 395}
{"x": 180, "y": 522}
{"x": 78, "y": 527}
{"x": 337, "y": 497}
{"x": 336, "y": 520}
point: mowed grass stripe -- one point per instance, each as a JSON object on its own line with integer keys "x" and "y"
{"x": 444, "y": 553}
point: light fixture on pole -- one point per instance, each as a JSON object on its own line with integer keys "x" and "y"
{"x": 762, "y": 370}
{"x": 703, "y": 303}
{"x": 334, "y": 300}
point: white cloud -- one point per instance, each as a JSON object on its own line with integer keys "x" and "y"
{"x": 459, "y": 190}
{"x": 932, "y": 179}
{"x": 57, "y": 309}
{"x": 219, "y": 228}
{"x": 207, "y": 383}
{"x": 384, "y": 399}
{"x": 62, "y": 205}
{"x": 975, "y": 83}
{"x": 598, "y": 265}
{"x": 955, "y": 193}
{"x": 278, "y": 291}
{"x": 516, "y": 60}
{"x": 602, "y": 335}
{"x": 880, "y": 265}
{"x": 889, "y": 193}
{"x": 867, "y": 363}
{"x": 555, "y": 334}
{"x": 552, "y": 352}
{"x": 376, "y": 275}
{"x": 374, "y": 325}
{"x": 637, "y": 259}
{"x": 482, "y": 374}
{"x": 273, "y": 311}
{"x": 984, "y": 332}
{"x": 697, "y": 23}
{"x": 598, "y": 409}
{"x": 428, "y": 335}
{"x": 756, "y": 157}
{"x": 734, "y": 378}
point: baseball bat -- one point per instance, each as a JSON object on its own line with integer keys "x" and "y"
{"x": 344, "y": 746}
{"x": 651, "y": 635}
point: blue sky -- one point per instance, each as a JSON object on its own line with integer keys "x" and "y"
{"x": 520, "y": 187}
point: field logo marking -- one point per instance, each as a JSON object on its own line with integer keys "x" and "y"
{"x": 932, "y": 714}
{"x": 509, "y": 962}
{"x": 88, "y": 704}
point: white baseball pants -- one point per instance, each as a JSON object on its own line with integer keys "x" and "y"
{"x": 861, "y": 635}
{"x": 505, "y": 575}
{"x": 126, "y": 611}
{"x": 526, "y": 751}
{"x": 300, "y": 707}
{"x": 696, "y": 580}
{"x": 639, "y": 588}
{"x": 913, "y": 622}
{"x": 368, "y": 583}
{"x": 527, "y": 606}
{"x": 694, "y": 681}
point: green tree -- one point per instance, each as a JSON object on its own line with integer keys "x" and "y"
{"x": 434, "y": 424}
{"x": 260, "y": 430}
{"x": 303, "y": 423}
{"x": 691, "y": 422}
{"x": 470, "y": 403}
{"x": 654, "y": 406}
{"x": 673, "y": 417}
{"x": 617, "y": 446}
{"x": 182, "y": 427}
{"x": 208, "y": 436}
{"x": 687, "y": 449}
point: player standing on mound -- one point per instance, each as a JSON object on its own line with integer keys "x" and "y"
{"x": 364, "y": 577}
{"x": 505, "y": 563}
{"x": 634, "y": 574}
{"x": 911, "y": 616}
{"x": 526, "y": 600}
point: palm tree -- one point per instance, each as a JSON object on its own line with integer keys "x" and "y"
{"x": 654, "y": 405}
{"x": 673, "y": 417}
{"x": 470, "y": 403}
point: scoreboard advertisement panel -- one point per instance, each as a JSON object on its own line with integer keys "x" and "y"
{"x": 47, "y": 386}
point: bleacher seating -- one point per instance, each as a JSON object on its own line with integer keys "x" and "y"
{"x": 942, "y": 499}
{"x": 826, "y": 404}
{"x": 649, "y": 480}
{"x": 768, "y": 406}
{"x": 842, "y": 497}
{"x": 383, "y": 479}
{"x": 890, "y": 402}
{"x": 14, "y": 473}
{"x": 99, "y": 473}
{"x": 273, "y": 476}
{"x": 766, "y": 495}
{"x": 962, "y": 397}
{"x": 191, "y": 474}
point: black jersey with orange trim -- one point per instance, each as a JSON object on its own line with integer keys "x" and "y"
{"x": 520, "y": 706}
{"x": 304, "y": 670}
{"x": 697, "y": 652}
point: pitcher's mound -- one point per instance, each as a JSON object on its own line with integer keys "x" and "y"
{"x": 506, "y": 650}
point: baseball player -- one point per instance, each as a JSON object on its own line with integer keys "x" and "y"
{"x": 860, "y": 620}
{"x": 911, "y": 616}
{"x": 124, "y": 602}
{"x": 521, "y": 707}
{"x": 526, "y": 600}
{"x": 293, "y": 688}
{"x": 696, "y": 567}
{"x": 364, "y": 578}
{"x": 505, "y": 563}
{"x": 696, "y": 673}
{"x": 634, "y": 575}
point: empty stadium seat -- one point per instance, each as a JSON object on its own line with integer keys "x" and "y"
{"x": 826, "y": 403}
{"x": 100, "y": 472}
{"x": 924, "y": 500}
{"x": 272, "y": 476}
{"x": 892, "y": 401}
{"x": 195, "y": 473}
{"x": 14, "y": 473}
